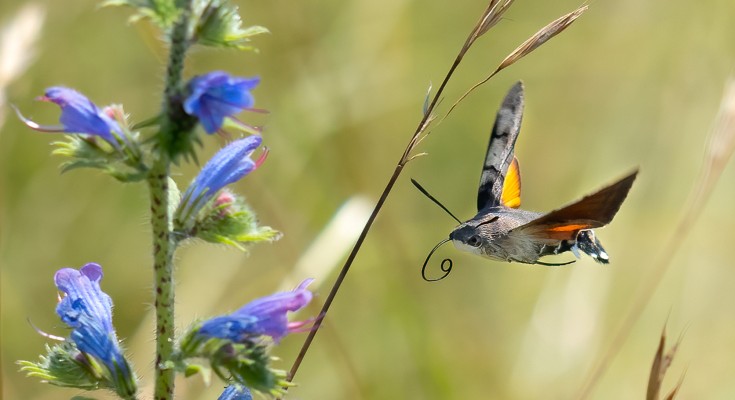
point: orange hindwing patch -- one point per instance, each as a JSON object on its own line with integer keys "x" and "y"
{"x": 511, "y": 196}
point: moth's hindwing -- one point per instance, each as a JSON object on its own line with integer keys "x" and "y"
{"x": 511, "y": 196}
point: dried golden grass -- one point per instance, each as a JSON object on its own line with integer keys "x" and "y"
{"x": 554, "y": 28}
{"x": 661, "y": 362}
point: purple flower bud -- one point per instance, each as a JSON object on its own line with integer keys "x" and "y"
{"x": 228, "y": 165}
{"x": 88, "y": 311}
{"x": 217, "y": 95}
{"x": 78, "y": 115}
{"x": 236, "y": 392}
{"x": 265, "y": 316}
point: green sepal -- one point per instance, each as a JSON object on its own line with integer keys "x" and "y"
{"x": 246, "y": 363}
{"x": 64, "y": 365}
{"x": 217, "y": 23}
{"x": 91, "y": 152}
{"x": 161, "y": 12}
{"x": 124, "y": 161}
{"x": 193, "y": 369}
{"x": 150, "y": 122}
{"x": 236, "y": 229}
{"x": 230, "y": 222}
{"x": 61, "y": 366}
{"x": 125, "y": 388}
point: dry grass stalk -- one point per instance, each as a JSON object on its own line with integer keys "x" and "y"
{"x": 541, "y": 37}
{"x": 661, "y": 362}
{"x": 721, "y": 144}
{"x": 492, "y": 15}
{"x": 489, "y": 18}
{"x": 531, "y": 44}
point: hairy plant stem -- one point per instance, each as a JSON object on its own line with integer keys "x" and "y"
{"x": 161, "y": 218}
{"x": 163, "y": 250}
{"x": 175, "y": 67}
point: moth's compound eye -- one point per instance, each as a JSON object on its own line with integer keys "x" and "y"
{"x": 474, "y": 241}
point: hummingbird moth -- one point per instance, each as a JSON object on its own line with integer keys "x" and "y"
{"x": 502, "y": 231}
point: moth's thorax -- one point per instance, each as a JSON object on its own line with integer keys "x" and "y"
{"x": 486, "y": 234}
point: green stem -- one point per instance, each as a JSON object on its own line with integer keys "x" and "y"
{"x": 163, "y": 250}
{"x": 161, "y": 218}
{"x": 175, "y": 68}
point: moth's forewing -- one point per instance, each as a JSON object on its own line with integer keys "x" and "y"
{"x": 500, "y": 148}
{"x": 592, "y": 211}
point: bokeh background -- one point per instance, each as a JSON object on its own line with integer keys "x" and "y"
{"x": 630, "y": 84}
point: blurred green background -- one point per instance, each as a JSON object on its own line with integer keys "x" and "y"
{"x": 630, "y": 84}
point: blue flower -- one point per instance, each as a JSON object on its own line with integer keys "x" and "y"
{"x": 265, "y": 316}
{"x": 228, "y": 165}
{"x": 78, "y": 115}
{"x": 214, "y": 96}
{"x": 236, "y": 392}
{"x": 88, "y": 311}
{"x": 237, "y": 344}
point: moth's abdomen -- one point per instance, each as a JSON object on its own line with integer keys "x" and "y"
{"x": 589, "y": 244}
{"x": 586, "y": 241}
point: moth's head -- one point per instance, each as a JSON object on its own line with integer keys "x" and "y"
{"x": 474, "y": 234}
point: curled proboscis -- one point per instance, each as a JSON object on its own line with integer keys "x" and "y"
{"x": 445, "y": 266}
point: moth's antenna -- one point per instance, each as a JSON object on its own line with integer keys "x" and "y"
{"x": 448, "y": 261}
{"x": 422, "y": 190}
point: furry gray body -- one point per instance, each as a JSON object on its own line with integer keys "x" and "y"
{"x": 489, "y": 234}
